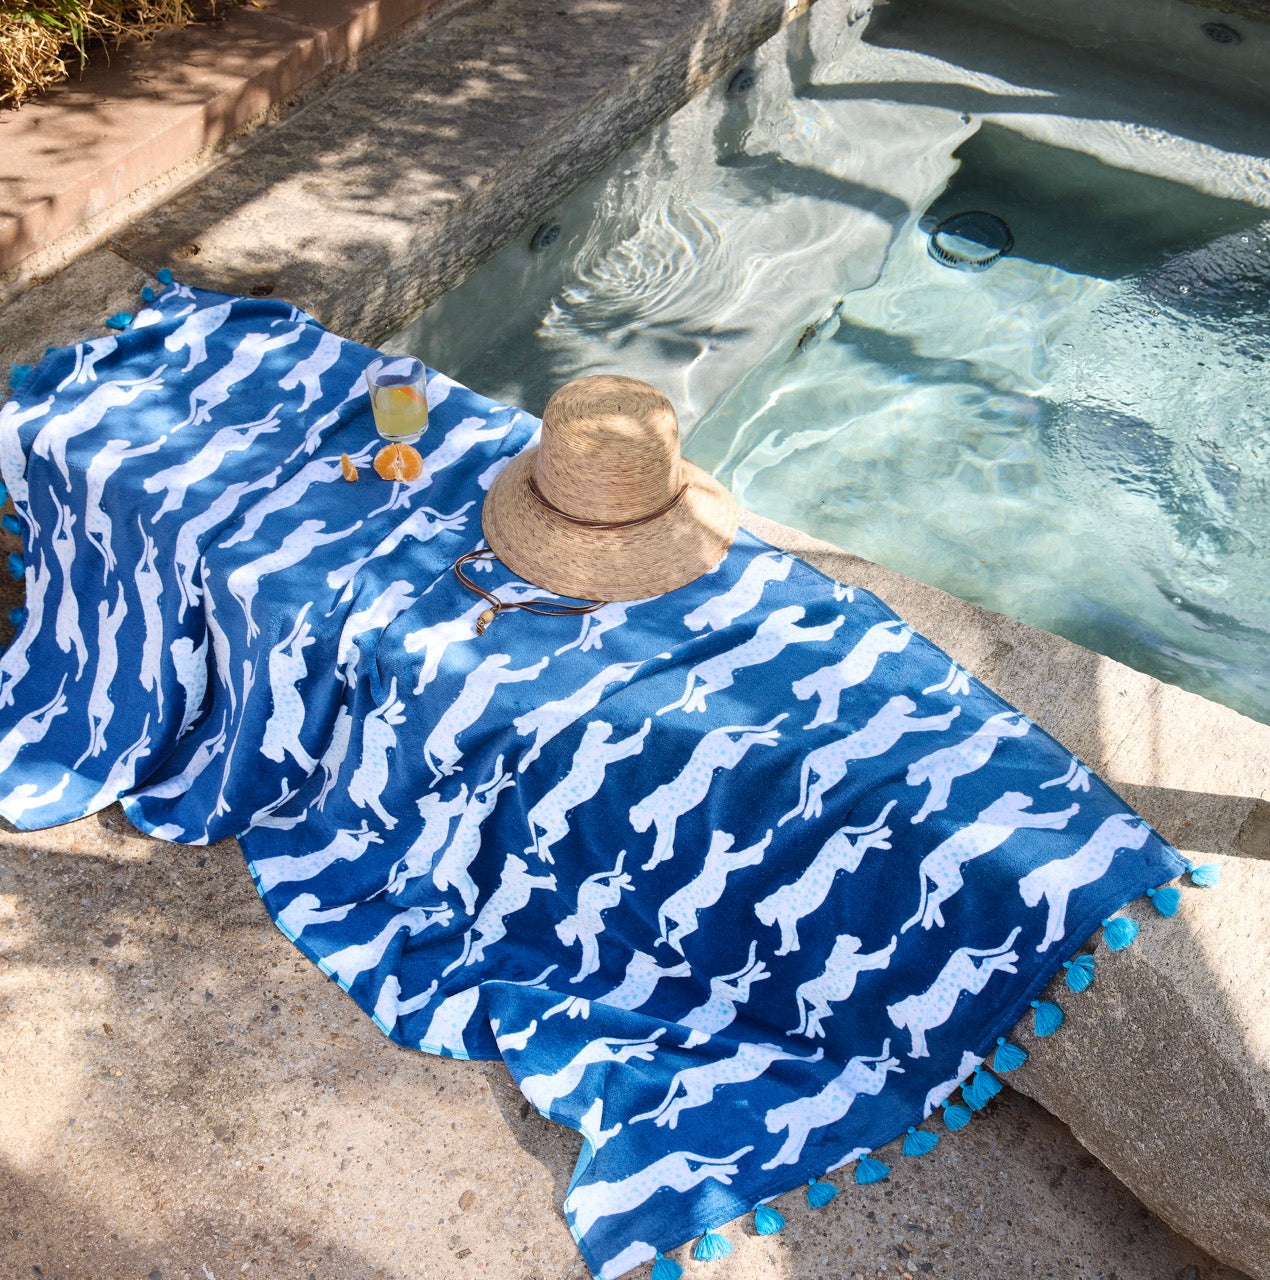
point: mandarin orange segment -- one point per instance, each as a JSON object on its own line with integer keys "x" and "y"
{"x": 399, "y": 462}
{"x": 346, "y": 466}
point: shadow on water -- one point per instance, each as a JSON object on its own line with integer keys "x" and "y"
{"x": 770, "y": 176}
{"x": 1079, "y": 83}
{"x": 1070, "y": 211}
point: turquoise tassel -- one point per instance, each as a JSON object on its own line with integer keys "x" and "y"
{"x": 665, "y": 1268}
{"x": 981, "y": 1090}
{"x": 768, "y": 1221}
{"x": 120, "y": 320}
{"x": 1166, "y": 900}
{"x": 711, "y": 1247}
{"x": 18, "y": 374}
{"x": 48, "y": 351}
{"x": 164, "y": 275}
{"x": 11, "y": 523}
{"x": 1008, "y": 1056}
{"x": 4, "y": 493}
{"x": 820, "y": 1193}
{"x": 16, "y": 568}
{"x": 972, "y": 1096}
{"x": 17, "y": 615}
{"x": 1205, "y": 876}
{"x": 956, "y": 1116}
{"x": 869, "y": 1170}
{"x": 986, "y": 1084}
{"x": 1080, "y": 972}
{"x": 1118, "y": 932}
{"x": 919, "y": 1142}
{"x": 147, "y": 294}
{"x": 1047, "y": 1017}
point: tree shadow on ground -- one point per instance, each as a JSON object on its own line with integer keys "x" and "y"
{"x": 185, "y": 1092}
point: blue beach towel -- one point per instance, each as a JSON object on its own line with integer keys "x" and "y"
{"x": 741, "y": 882}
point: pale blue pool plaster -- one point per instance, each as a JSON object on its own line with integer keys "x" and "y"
{"x": 1076, "y": 436}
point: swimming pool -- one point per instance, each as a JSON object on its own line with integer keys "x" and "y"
{"x": 1075, "y": 436}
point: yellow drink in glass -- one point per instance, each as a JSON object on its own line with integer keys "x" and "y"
{"x": 401, "y": 413}
{"x": 398, "y": 398}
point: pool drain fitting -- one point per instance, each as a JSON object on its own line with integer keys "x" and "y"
{"x": 1221, "y": 33}
{"x": 970, "y": 241}
{"x": 546, "y": 235}
{"x": 742, "y": 81}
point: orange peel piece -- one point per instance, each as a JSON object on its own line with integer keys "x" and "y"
{"x": 346, "y": 466}
{"x": 399, "y": 462}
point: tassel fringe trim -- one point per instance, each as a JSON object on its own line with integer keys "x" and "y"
{"x": 956, "y": 1117}
{"x": 1166, "y": 900}
{"x": 1206, "y": 875}
{"x": 976, "y": 1092}
{"x": 869, "y": 1170}
{"x": 820, "y": 1193}
{"x": 1080, "y": 972}
{"x": 1118, "y": 932}
{"x": 665, "y": 1268}
{"x": 1008, "y": 1056}
{"x": 919, "y": 1141}
{"x": 1047, "y": 1017}
{"x": 711, "y": 1247}
{"x": 768, "y": 1221}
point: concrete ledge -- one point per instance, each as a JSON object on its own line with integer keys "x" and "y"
{"x": 185, "y": 1095}
{"x": 68, "y": 159}
{"x": 500, "y": 110}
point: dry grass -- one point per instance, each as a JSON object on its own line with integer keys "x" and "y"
{"x": 42, "y": 40}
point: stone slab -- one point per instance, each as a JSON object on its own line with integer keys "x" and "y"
{"x": 69, "y": 308}
{"x": 185, "y": 1094}
{"x": 501, "y": 109}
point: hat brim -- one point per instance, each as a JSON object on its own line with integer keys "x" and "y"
{"x": 608, "y": 564}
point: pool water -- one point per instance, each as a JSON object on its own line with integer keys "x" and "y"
{"x": 1076, "y": 436}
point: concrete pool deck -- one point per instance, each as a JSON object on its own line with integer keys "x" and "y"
{"x": 186, "y": 1096}
{"x": 78, "y": 161}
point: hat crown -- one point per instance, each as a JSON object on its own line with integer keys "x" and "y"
{"x": 609, "y": 449}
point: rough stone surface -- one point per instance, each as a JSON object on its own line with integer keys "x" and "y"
{"x": 76, "y": 158}
{"x": 183, "y": 1095}
{"x": 1162, "y": 1069}
{"x": 69, "y": 308}
{"x": 499, "y": 111}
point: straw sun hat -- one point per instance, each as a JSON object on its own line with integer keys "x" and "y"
{"x": 605, "y": 507}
